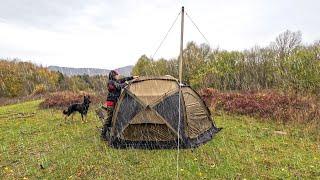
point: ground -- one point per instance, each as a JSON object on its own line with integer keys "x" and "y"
{"x": 43, "y": 145}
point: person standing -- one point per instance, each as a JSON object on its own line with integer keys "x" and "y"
{"x": 115, "y": 85}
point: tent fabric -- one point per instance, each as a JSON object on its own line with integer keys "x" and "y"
{"x": 151, "y": 90}
{"x": 147, "y": 116}
{"x": 148, "y": 132}
{"x": 198, "y": 118}
{"x": 168, "y": 108}
{"x": 126, "y": 110}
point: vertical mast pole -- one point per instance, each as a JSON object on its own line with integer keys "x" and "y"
{"x": 180, "y": 84}
{"x": 181, "y": 45}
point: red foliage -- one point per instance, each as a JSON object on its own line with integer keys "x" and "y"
{"x": 66, "y": 98}
{"x": 265, "y": 104}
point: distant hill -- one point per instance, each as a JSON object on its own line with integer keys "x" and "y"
{"x": 126, "y": 71}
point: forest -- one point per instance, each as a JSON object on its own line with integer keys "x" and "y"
{"x": 285, "y": 65}
{"x": 19, "y": 78}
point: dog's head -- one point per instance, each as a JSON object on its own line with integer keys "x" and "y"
{"x": 86, "y": 99}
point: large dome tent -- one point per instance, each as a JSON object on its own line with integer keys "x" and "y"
{"x": 161, "y": 112}
{"x": 147, "y": 115}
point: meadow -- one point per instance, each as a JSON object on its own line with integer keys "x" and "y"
{"x": 37, "y": 143}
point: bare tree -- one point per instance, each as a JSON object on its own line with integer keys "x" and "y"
{"x": 286, "y": 42}
{"x": 316, "y": 47}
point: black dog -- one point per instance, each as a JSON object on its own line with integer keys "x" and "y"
{"x": 81, "y": 108}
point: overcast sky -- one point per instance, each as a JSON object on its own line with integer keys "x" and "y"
{"x": 115, "y": 33}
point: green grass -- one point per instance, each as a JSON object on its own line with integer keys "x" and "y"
{"x": 246, "y": 148}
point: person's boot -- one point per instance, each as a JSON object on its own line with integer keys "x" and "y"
{"x": 100, "y": 114}
{"x": 105, "y": 132}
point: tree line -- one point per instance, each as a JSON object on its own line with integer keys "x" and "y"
{"x": 286, "y": 64}
{"x": 24, "y": 78}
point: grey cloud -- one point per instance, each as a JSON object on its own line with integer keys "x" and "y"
{"x": 44, "y": 13}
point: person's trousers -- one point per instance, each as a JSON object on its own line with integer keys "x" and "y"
{"x": 108, "y": 121}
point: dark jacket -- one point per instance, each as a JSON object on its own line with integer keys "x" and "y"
{"x": 115, "y": 86}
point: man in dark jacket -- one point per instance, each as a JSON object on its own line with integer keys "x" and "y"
{"x": 115, "y": 85}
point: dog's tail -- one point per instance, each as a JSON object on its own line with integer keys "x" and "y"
{"x": 65, "y": 112}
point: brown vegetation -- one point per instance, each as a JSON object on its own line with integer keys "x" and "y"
{"x": 264, "y": 104}
{"x": 66, "y": 98}
{"x": 7, "y": 101}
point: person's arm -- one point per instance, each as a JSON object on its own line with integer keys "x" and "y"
{"x": 120, "y": 85}
{"x": 126, "y": 79}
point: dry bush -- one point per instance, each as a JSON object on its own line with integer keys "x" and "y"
{"x": 8, "y": 101}
{"x": 39, "y": 89}
{"x": 265, "y": 104}
{"x": 66, "y": 98}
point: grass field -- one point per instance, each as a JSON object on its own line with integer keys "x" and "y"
{"x": 43, "y": 145}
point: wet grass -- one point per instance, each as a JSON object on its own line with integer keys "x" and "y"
{"x": 44, "y": 146}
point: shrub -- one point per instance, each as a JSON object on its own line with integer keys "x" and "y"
{"x": 264, "y": 104}
{"x": 66, "y": 98}
{"x": 39, "y": 89}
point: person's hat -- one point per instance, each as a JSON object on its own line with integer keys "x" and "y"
{"x": 112, "y": 74}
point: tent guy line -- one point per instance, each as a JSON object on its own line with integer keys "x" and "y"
{"x": 182, "y": 13}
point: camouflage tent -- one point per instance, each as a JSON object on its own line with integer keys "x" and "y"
{"x": 147, "y": 116}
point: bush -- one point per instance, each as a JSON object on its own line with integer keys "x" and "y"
{"x": 39, "y": 89}
{"x": 66, "y": 98}
{"x": 264, "y": 104}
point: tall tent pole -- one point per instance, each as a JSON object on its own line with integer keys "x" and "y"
{"x": 180, "y": 84}
{"x": 181, "y": 45}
